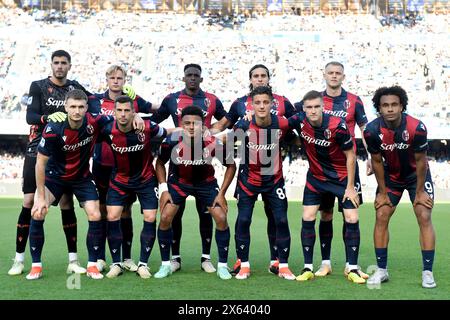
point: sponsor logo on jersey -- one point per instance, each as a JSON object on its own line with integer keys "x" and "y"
{"x": 391, "y": 147}
{"x": 107, "y": 112}
{"x": 336, "y": 113}
{"x": 207, "y": 102}
{"x": 73, "y": 147}
{"x": 311, "y": 140}
{"x": 52, "y": 102}
{"x": 137, "y": 147}
{"x": 257, "y": 147}
{"x": 186, "y": 162}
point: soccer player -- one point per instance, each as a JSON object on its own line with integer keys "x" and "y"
{"x": 172, "y": 105}
{"x": 259, "y": 76}
{"x": 398, "y": 144}
{"x": 191, "y": 173}
{"x": 62, "y": 166}
{"x": 103, "y": 161}
{"x": 348, "y": 106}
{"x": 133, "y": 174}
{"x": 45, "y": 104}
{"x": 260, "y": 172}
{"x": 332, "y": 160}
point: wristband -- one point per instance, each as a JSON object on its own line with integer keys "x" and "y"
{"x": 162, "y": 188}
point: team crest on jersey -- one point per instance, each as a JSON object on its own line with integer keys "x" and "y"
{"x": 179, "y": 111}
{"x": 50, "y": 90}
{"x": 90, "y": 129}
{"x": 275, "y": 104}
{"x": 207, "y": 102}
{"x": 327, "y": 134}
{"x": 346, "y": 104}
{"x": 405, "y": 135}
{"x": 64, "y": 138}
{"x": 206, "y": 152}
{"x": 141, "y": 137}
{"x": 381, "y": 136}
{"x": 279, "y": 134}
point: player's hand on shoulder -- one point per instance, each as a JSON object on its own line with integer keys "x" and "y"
{"x": 57, "y": 116}
{"x": 138, "y": 123}
{"x": 129, "y": 91}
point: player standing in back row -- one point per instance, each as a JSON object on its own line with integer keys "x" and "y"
{"x": 348, "y": 106}
{"x": 172, "y": 105}
{"x": 45, "y": 104}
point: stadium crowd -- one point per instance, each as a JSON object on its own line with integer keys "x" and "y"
{"x": 298, "y": 46}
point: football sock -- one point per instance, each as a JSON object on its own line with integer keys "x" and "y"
{"x": 114, "y": 239}
{"x": 69, "y": 221}
{"x": 102, "y": 247}
{"x": 165, "y": 239}
{"x": 223, "y": 242}
{"x": 427, "y": 259}
{"x": 283, "y": 240}
{"x": 177, "y": 228}
{"x": 148, "y": 236}
{"x": 352, "y": 240}
{"x": 308, "y": 237}
{"x": 127, "y": 233}
{"x": 326, "y": 236}
{"x": 93, "y": 238}
{"x": 36, "y": 239}
{"x": 23, "y": 229}
{"x": 271, "y": 232}
{"x": 382, "y": 255}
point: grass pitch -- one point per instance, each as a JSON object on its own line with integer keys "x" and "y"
{"x": 404, "y": 262}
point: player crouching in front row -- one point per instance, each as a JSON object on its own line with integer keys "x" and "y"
{"x": 191, "y": 173}
{"x": 63, "y": 167}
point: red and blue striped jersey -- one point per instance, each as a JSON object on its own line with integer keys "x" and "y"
{"x": 397, "y": 146}
{"x": 132, "y": 152}
{"x": 347, "y": 106}
{"x": 102, "y": 151}
{"x": 324, "y": 145}
{"x": 174, "y": 103}
{"x": 191, "y": 164}
{"x": 281, "y": 107}
{"x": 261, "y": 161}
{"x": 70, "y": 149}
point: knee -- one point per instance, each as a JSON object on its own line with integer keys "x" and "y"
{"x": 326, "y": 215}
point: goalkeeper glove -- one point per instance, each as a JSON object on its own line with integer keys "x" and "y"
{"x": 57, "y": 117}
{"x": 129, "y": 91}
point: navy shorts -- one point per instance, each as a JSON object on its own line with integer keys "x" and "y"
{"x": 315, "y": 190}
{"x": 84, "y": 189}
{"x": 102, "y": 176}
{"x": 327, "y": 201}
{"x": 395, "y": 190}
{"x": 274, "y": 195}
{"x": 121, "y": 195}
{"x": 206, "y": 192}
{"x": 29, "y": 175}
